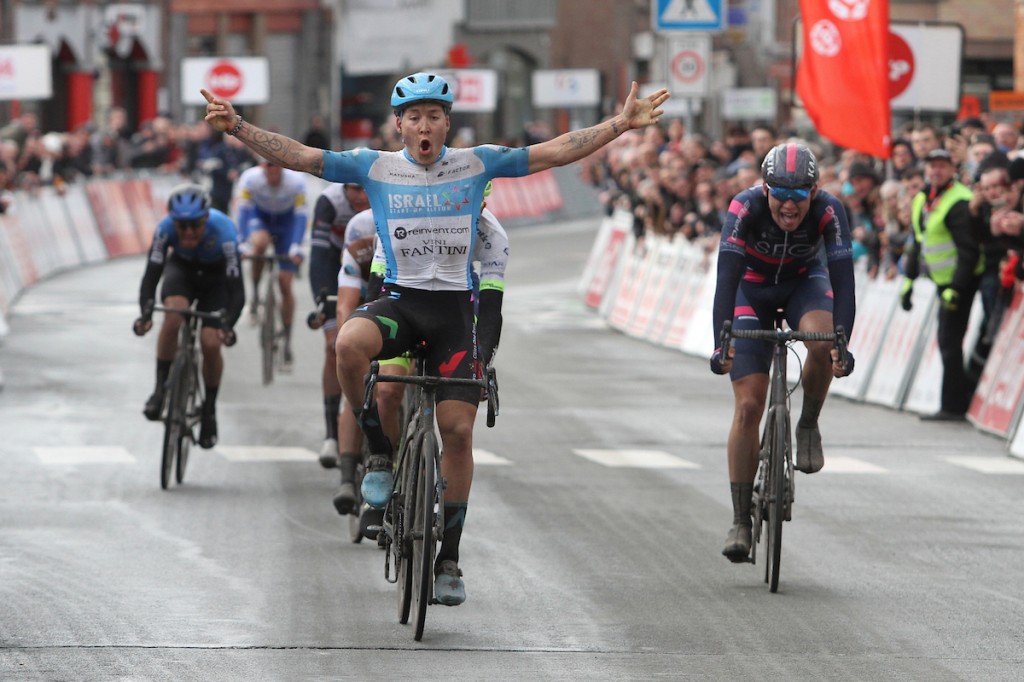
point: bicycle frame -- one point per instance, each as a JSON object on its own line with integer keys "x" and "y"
{"x": 270, "y": 337}
{"x": 414, "y": 517}
{"x": 185, "y": 393}
{"x": 774, "y": 484}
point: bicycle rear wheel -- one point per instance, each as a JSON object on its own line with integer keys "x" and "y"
{"x": 268, "y": 335}
{"x": 174, "y": 421}
{"x": 776, "y": 500}
{"x": 190, "y": 414}
{"x": 404, "y": 510}
{"x": 424, "y": 538}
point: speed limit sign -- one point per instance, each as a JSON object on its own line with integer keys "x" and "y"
{"x": 688, "y": 65}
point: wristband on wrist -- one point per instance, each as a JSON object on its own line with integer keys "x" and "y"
{"x": 238, "y": 126}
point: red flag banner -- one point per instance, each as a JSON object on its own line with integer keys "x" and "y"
{"x": 843, "y": 76}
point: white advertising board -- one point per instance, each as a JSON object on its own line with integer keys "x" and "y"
{"x": 924, "y": 66}
{"x": 242, "y": 80}
{"x": 566, "y": 88}
{"x": 25, "y": 72}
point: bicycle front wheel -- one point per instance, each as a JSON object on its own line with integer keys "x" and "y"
{"x": 174, "y": 421}
{"x": 776, "y": 500}
{"x": 190, "y": 412}
{"x": 404, "y": 510}
{"x": 425, "y": 535}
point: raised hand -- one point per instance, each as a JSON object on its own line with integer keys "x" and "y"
{"x": 640, "y": 113}
{"x": 219, "y": 112}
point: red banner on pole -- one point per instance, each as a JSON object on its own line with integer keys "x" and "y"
{"x": 843, "y": 76}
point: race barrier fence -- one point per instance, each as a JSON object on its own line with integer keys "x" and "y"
{"x": 662, "y": 291}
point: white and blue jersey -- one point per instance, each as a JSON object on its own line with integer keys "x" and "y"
{"x": 280, "y": 209}
{"x": 425, "y": 215}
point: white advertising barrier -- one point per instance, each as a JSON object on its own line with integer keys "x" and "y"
{"x": 997, "y": 400}
{"x": 75, "y": 205}
{"x": 661, "y": 258}
{"x": 897, "y": 357}
{"x": 629, "y": 283}
{"x": 674, "y": 284}
{"x": 594, "y": 258}
{"x": 663, "y": 265}
{"x": 32, "y": 220}
{"x": 605, "y": 258}
{"x": 695, "y": 279}
{"x": 622, "y": 259}
{"x": 925, "y": 394}
{"x": 699, "y": 339}
{"x": 10, "y": 272}
{"x": 874, "y": 309}
{"x": 65, "y": 241}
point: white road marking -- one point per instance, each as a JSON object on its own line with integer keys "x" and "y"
{"x": 84, "y": 454}
{"x": 989, "y": 465}
{"x": 838, "y": 464}
{"x": 263, "y": 453}
{"x": 488, "y": 458}
{"x": 639, "y": 459}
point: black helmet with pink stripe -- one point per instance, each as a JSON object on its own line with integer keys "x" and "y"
{"x": 790, "y": 165}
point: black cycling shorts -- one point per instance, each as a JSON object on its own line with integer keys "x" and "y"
{"x": 207, "y": 283}
{"x": 444, "y": 319}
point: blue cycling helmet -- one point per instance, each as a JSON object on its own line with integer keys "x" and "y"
{"x": 422, "y": 87}
{"x": 188, "y": 202}
{"x": 790, "y": 165}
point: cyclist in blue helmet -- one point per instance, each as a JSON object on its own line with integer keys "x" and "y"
{"x": 195, "y": 252}
{"x": 769, "y": 258}
{"x": 426, "y": 202}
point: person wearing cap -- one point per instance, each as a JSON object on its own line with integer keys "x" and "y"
{"x": 332, "y": 213}
{"x": 945, "y": 240}
{"x": 426, "y": 200}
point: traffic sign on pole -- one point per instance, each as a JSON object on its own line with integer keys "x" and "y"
{"x": 689, "y": 59}
{"x": 687, "y": 15}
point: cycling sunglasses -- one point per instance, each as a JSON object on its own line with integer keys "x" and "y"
{"x": 194, "y": 224}
{"x": 786, "y": 193}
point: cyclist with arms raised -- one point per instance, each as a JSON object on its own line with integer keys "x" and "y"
{"x": 769, "y": 258}
{"x": 426, "y": 200}
{"x": 195, "y": 250}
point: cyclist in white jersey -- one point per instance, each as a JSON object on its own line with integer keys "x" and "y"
{"x": 272, "y": 208}
{"x": 426, "y": 200}
{"x": 332, "y": 212}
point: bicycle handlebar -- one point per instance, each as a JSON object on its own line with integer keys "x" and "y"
{"x": 782, "y": 337}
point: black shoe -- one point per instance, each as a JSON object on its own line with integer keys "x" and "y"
{"x": 737, "y": 544}
{"x": 154, "y": 406}
{"x": 208, "y": 431}
{"x": 944, "y": 416}
{"x": 345, "y": 500}
{"x": 370, "y": 522}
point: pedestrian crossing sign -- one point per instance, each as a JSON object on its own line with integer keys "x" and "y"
{"x": 688, "y": 15}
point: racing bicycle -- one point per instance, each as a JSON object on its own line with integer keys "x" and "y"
{"x": 414, "y": 517}
{"x": 184, "y": 389}
{"x": 266, "y": 317}
{"x": 774, "y": 489}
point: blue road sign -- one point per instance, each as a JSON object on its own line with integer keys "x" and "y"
{"x": 688, "y": 15}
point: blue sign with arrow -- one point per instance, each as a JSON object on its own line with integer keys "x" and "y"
{"x": 687, "y": 15}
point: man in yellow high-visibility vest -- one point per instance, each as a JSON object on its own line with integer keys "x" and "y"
{"x": 945, "y": 241}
